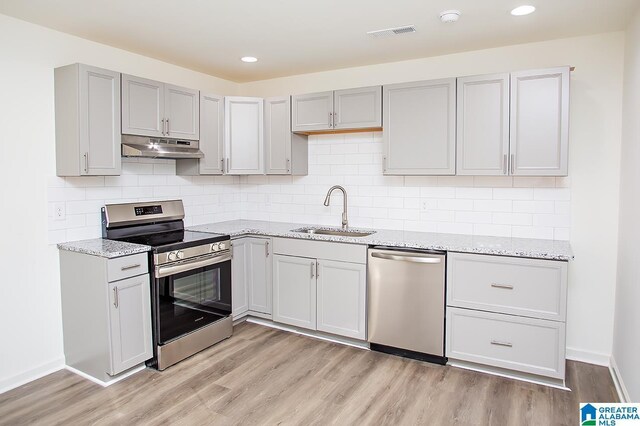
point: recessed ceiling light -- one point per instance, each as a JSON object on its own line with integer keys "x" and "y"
{"x": 449, "y": 16}
{"x": 523, "y": 10}
{"x": 249, "y": 59}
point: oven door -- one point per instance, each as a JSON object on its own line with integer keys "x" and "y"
{"x": 191, "y": 295}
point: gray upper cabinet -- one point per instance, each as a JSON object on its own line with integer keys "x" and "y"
{"x": 312, "y": 112}
{"x": 419, "y": 121}
{"x": 142, "y": 107}
{"x": 540, "y": 122}
{"x": 244, "y": 135}
{"x": 286, "y": 152}
{"x": 155, "y": 109}
{"x": 349, "y": 109}
{"x": 87, "y": 102}
{"x": 483, "y": 125}
{"x": 211, "y": 134}
{"x": 182, "y": 112}
{"x": 211, "y": 139}
{"x": 357, "y": 108}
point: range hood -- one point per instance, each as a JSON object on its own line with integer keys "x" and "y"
{"x": 142, "y": 146}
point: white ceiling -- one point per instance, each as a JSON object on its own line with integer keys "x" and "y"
{"x": 300, "y": 36}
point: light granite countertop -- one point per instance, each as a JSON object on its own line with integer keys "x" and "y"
{"x": 103, "y": 247}
{"x": 519, "y": 247}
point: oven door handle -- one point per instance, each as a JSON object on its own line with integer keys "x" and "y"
{"x": 164, "y": 271}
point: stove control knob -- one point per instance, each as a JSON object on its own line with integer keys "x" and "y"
{"x": 172, "y": 255}
{"x": 180, "y": 254}
{"x": 215, "y": 247}
{"x": 222, "y": 246}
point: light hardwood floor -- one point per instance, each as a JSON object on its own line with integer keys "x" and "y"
{"x": 267, "y": 376}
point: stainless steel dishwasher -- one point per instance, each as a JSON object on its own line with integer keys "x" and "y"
{"x": 406, "y": 303}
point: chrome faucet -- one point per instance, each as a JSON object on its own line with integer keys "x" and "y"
{"x": 345, "y": 222}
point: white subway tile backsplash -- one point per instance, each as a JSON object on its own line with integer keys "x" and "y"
{"x": 474, "y": 193}
{"x": 492, "y": 205}
{"x": 537, "y": 207}
{"x": 513, "y": 193}
{"x": 558, "y": 194}
{"x": 533, "y": 206}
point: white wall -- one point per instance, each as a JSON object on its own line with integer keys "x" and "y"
{"x": 482, "y": 205}
{"x": 30, "y": 321}
{"x": 594, "y": 154}
{"x": 626, "y": 344}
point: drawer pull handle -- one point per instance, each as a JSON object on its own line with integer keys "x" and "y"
{"x": 126, "y": 268}
{"x": 499, "y": 343}
{"x": 505, "y": 286}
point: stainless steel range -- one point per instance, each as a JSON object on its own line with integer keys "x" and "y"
{"x": 190, "y": 277}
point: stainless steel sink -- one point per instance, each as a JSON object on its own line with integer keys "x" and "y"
{"x": 334, "y": 231}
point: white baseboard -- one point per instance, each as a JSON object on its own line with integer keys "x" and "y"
{"x": 623, "y": 394}
{"x": 123, "y": 376}
{"x": 596, "y": 358}
{"x": 31, "y": 375}
{"x": 309, "y": 333}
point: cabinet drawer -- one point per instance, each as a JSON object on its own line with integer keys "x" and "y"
{"x": 127, "y": 266}
{"x": 341, "y": 252}
{"x": 528, "y": 287}
{"x": 529, "y": 345}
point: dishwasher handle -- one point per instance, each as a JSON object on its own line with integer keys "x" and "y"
{"x": 407, "y": 258}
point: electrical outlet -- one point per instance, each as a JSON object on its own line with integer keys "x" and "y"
{"x": 424, "y": 206}
{"x": 59, "y": 211}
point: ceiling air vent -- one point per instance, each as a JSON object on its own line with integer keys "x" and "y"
{"x": 393, "y": 31}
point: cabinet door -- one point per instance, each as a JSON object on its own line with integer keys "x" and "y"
{"x": 211, "y": 134}
{"x": 294, "y": 291}
{"x": 142, "y": 107}
{"x": 483, "y": 125}
{"x": 540, "y": 122}
{"x": 244, "y": 138}
{"x": 239, "y": 279}
{"x": 259, "y": 270}
{"x": 130, "y": 322}
{"x": 99, "y": 96}
{"x": 277, "y": 139}
{"x": 358, "y": 108}
{"x": 419, "y": 134}
{"x": 342, "y": 298}
{"x": 182, "y": 112}
{"x": 312, "y": 112}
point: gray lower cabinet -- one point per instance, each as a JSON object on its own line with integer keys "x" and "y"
{"x": 341, "y": 298}
{"x": 419, "y": 128}
{"x": 251, "y": 272}
{"x": 320, "y": 286}
{"x": 87, "y": 103}
{"x": 507, "y": 312}
{"x": 483, "y": 125}
{"x": 294, "y": 291}
{"x": 106, "y": 313}
{"x": 539, "y": 125}
{"x": 130, "y": 322}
